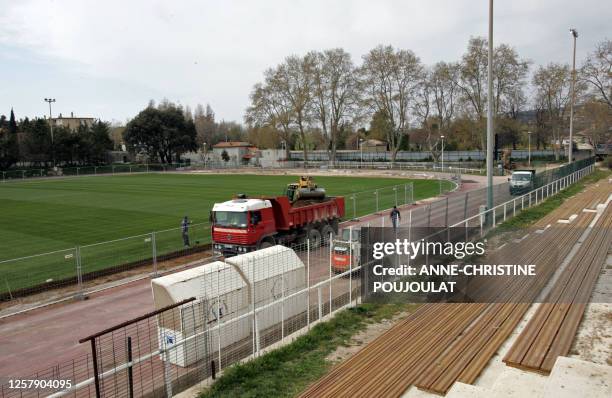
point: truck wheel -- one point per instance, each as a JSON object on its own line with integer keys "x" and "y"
{"x": 266, "y": 244}
{"x": 325, "y": 232}
{"x": 315, "y": 238}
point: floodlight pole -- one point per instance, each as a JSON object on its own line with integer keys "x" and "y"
{"x": 490, "y": 112}
{"x": 574, "y": 33}
{"x": 50, "y": 101}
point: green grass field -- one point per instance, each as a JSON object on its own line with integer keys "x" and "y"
{"x": 39, "y": 216}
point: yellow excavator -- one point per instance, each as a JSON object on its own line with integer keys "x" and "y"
{"x": 305, "y": 188}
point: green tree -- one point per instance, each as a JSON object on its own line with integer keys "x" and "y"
{"x": 9, "y": 146}
{"x": 98, "y": 143}
{"x": 225, "y": 156}
{"x": 69, "y": 146}
{"x": 37, "y": 142}
{"x": 162, "y": 133}
{"x": 380, "y": 126}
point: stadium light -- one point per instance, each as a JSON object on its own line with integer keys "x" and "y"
{"x": 574, "y": 33}
{"x": 490, "y": 112}
{"x": 50, "y": 101}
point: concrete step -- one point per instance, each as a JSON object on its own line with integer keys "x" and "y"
{"x": 571, "y": 377}
{"x": 513, "y": 382}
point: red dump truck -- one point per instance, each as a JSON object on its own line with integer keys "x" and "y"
{"x": 245, "y": 224}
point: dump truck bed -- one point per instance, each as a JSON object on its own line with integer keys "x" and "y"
{"x": 289, "y": 216}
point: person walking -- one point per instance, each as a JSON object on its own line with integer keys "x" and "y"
{"x": 396, "y": 217}
{"x": 185, "y": 230}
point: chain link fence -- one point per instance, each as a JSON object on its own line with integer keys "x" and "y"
{"x": 73, "y": 267}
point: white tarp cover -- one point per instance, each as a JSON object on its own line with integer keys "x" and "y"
{"x": 227, "y": 288}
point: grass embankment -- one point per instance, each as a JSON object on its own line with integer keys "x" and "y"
{"x": 287, "y": 371}
{"x": 530, "y": 216}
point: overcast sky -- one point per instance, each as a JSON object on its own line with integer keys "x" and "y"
{"x": 107, "y": 58}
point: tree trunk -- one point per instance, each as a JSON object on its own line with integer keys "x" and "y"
{"x": 333, "y": 153}
{"x": 304, "y": 149}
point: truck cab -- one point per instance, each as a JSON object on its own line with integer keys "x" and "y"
{"x": 521, "y": 181}
{"x": 240, "y": 225}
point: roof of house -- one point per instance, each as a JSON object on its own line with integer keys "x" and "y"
{"x": 232, "y": 144}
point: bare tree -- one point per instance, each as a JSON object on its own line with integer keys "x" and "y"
{"x": 293, "y": 81}
{"x": 597, "y": 71}
{"x": 509, "y": 74}
{"x": 335, "y": 94}
{"x": 472, "y": 81}
{"x": 390, "y": 79}
{"x": 269, "y": 108}
{"x": 435, "y": 105}
{"x": 552, "y": 84}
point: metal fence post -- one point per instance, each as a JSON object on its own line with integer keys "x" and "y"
{"x": 446, "y": 214}
{"x": 130, "y": 370}
{"x": 330, "y": 274}
{"x": 350, "y": 266}
{"x": 308, "y": 282}
{"x": 154, "y": 252}
{"x": 319, "y": 302}
{"x": 219, "y": 322}
{"x": 395, "y": 192}
{"x": 283, "y": 306}
{"x": 79, "y": 270}
{"x": 165, "y": 358}
{"x": 376, "y": 193}
{"x": 94, "y": 359}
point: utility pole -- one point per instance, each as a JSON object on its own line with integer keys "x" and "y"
{"x": 490, "y": 112}
{"x": 574, "y": 33}
{"x": 50, "y": 101}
